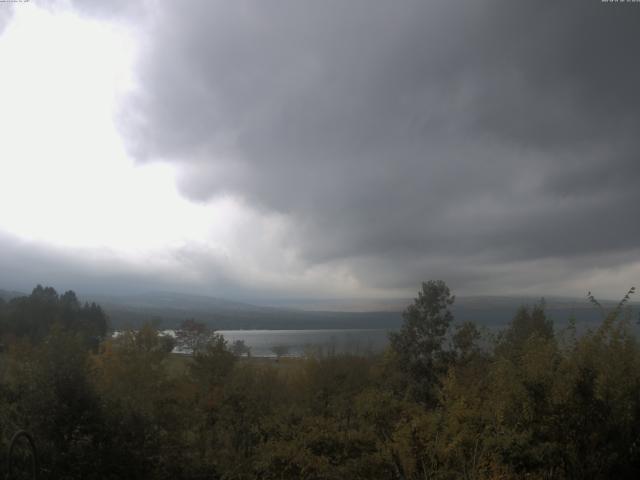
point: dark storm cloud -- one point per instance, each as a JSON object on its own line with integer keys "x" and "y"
{"x": 401, "y": 136}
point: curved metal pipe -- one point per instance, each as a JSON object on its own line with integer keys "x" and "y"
{"x": 34, "y": 453}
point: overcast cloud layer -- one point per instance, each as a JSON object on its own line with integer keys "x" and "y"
{"x": 490, "y": 143}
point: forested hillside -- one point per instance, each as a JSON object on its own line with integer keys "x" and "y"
{"x": 169, "y": 309}
{"x": 447, "y": 400}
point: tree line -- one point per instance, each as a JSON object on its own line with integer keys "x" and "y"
{"x": 444, "y": 401}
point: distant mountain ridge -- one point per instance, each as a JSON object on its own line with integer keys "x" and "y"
{"x": 176, "y": 301}
{"x": 168, "y": 309}
{"x": 7, "y": 295}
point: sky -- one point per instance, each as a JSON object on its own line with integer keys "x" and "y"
{"x": 298, "y": 149}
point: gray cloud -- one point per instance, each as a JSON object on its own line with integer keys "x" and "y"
{"x": 99, "y": 270}
{"x": 114, "y": 10}
{"x": 425, "y": 130}
{"x": 465, "y": 140}
{"x": 6, "y": 14}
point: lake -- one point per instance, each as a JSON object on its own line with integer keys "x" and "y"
{"x": 300, "y": 342}
{"x": 297, "y": 343}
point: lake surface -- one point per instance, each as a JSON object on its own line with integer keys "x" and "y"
{"x": 301, "y": 342}
{"x": 298, "y": 343}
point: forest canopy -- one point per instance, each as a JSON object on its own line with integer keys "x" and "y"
{"x": 32, "y": 317}
{"x": 446, "y": 400}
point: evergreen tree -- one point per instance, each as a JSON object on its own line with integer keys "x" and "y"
{"x": 418, "y": 347}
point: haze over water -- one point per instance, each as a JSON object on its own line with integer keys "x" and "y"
{"x": 300, "y": 342}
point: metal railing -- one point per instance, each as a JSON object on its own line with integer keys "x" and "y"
{"x": 35, "y": 468}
